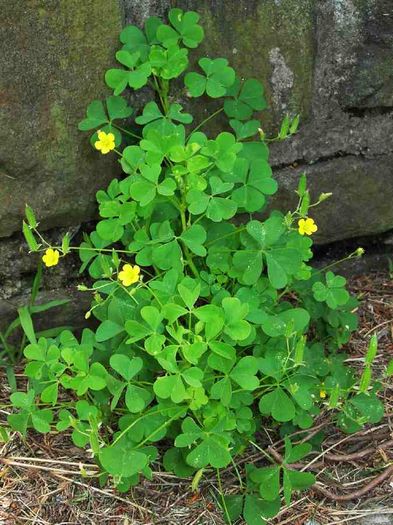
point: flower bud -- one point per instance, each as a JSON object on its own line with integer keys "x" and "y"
{"x": 82, "y": 288}
{"x": 359, "y": 252}
{"x": 324, "y": 196}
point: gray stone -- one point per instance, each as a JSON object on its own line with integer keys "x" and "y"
{"x": 70, "y": 314}
{"x": 370, "y": 82}
{"x": 362, "y": 195}
{"x": 53, "y": 59}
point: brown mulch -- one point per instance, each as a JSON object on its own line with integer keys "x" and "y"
{"x": 46, "y": 480}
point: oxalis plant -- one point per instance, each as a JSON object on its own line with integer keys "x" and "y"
{"x": 212, "y": 324}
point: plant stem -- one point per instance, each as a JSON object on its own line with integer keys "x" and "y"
{"x": 127, "y": 132}
{"x": 224, "y": 505}
{"x": 207, "y": 120}
{"x": 187, "y": 253}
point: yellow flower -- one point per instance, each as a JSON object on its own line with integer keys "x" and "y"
{"x": 51, "y": 257}
{"x": 129, "y": 274}
{"x": 322, "y": 394}
{"x": 307, "y": 226}
{"x": 105, "y": 142}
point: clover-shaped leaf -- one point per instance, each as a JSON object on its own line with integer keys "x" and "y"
{"x": 135, "y": 40}
{"x": 236, "y": 327}
{"x": 194, "y": 238}
{"x": 102, "y": 118}
{"x": 244, "y": 373}
{"x": 218, "y": 77}
{"x": 168, "y": 63}
{"x": 247, "y": 98}
{"x": 245, "y": 130}
{"x": 333, "y": 292}
{"x": 278, "y": 404}
{"x": 136, "y": 76}
{"x": 223, "y": 150}
{"x": 121, "y": 459}
{"x": 152, "y": 115}
{"x": 185, "y": 28}
{"x": 255, "y": 180}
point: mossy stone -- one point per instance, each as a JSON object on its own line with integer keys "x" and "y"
{"x": 53, "y": 59}
{"x": 271, "y": 40}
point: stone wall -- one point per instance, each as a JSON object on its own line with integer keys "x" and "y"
{"x": 331, "y": 61}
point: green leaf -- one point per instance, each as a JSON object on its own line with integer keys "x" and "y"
{"x": 27, "y": 323}
{"x": 194, "y": 238}
{"x": 244, "y": 373}
{"x": 212, "y": 451}
{"x": 185, "y": 26}
{"x": 333, "y": 293}
{"x": 256, "y": 181}
{"x": 170, "y": 386}
{"x": 174, "y": 462}
{"x": 257, "y": 511}
{"x": 281, "y": 264}
{"x": 136, "y": 398}
{"x": 247, "y": 99}
{"x": 19, "y": 422}
{"x": 234, "y": 505}
{"x": 295, "y": 480}
{"x": 136, "y": 330}
{"x": 126, "y": 367}
{"x": 268, "y": 479}
{"x": 235, "y": 325}
{"x": 245, "y": 130}
{"x": 122, "y": 460}
{"x": 41, "y": 420}
{"x": 29, "y": 237}
{"x": 50, "y": 393}
{"x": 218, "y": 77}
{"x": 172, "y": 311}
{"x": 189, "y": 291}
{"x": 107, "y": 330}
{"x": 296, "y": 453}
{"x": 278, "y": 404}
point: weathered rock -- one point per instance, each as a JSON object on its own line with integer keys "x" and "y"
{"x": 362, "y": 199}
{"x": 270, "y": 40}
{"x": 69, "y": 314}
{"x": 53, "y": 59}
{"x": 370, "y": 83}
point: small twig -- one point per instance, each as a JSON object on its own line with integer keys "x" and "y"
{"x": 358, "y": 455}
{"x": 357, "y": 493}
{"x": 38, "y": 467}
{"x": 104, "y": 493}
{"x": 378, "y": 326}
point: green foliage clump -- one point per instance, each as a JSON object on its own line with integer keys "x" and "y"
{"x": 211, "y": 321}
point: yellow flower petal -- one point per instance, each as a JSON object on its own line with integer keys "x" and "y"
{"x": 307, "y": 226}
{"x": 51, "y": 257}
{"x": 129, "y": 274}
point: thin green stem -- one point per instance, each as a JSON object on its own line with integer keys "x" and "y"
{"x": 224, "y": 505}
{"x": 207, "y": 119}
{"x": 187, "y": 253}
{"x": 127, "y": 132}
